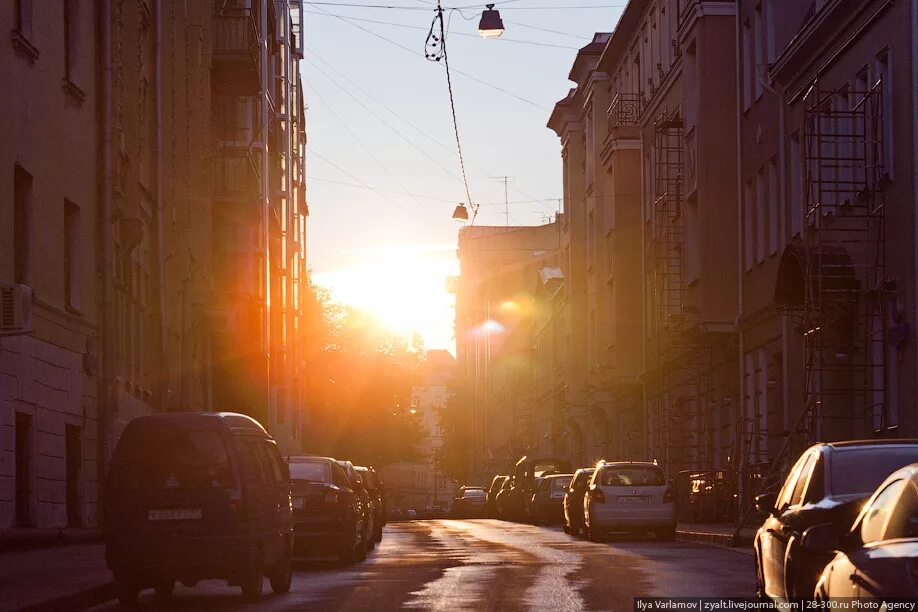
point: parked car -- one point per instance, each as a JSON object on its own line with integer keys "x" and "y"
{"x": 411, "y": 514}
{"x": 527, "y": 515}
{"x": 573, "y": 501}
{"x": 328, "y": 513}
{"x": 368, "y": 528}
{"x": 629, "y": 496}
{"x": 377, "y": 497}
{"x": 177, "y": 489}
{"x": 547, "y": 503}
{"x": 878, "y": 556}
{"x": 493, "y": 490}
{"x": 828, "y": 484}
{"x": 395, "y": 514}
{"x": 502, "y": 500}
{"x": 472, "y": 502}
{"x": 522, "y": 482}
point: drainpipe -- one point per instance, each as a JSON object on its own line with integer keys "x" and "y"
{"x": 160, "y": 244}
{"x": 741, "y": 269}
{"x": 108, "y": 409}
{"x": 915, "y": 138}
{"x": 266, "y": 203}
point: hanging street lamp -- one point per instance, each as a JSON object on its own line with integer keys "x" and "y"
{"x": 461, "y": 213}
{"x": 491, "y": 25}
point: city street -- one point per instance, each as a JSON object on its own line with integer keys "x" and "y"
{"x": 493, "y": 565}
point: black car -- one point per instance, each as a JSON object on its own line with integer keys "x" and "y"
{"x": 828, "y": 484}
{"x": 366, "y": 502}
{"x": 328, "y": 513}
{"x": 377, "y": 497}
{"x": 522, "y": 482}
{"x": 471, "y": 502}
{"x": 195, "y": 496}
{"x": 547, "y": 502}
{"x": 493, "y": 490}
{"x": 573, "y": 501}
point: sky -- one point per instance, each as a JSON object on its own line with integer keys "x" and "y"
{"x": 383, "y": 176}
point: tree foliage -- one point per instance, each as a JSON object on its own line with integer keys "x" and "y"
{"x": 456, "y": 429}
{"x": 358, "y": 386}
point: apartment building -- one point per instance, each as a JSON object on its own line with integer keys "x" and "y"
{"x": 260, "y": 210}
{"x": 112, "y": 283}
{"x": 496, "y": 304}
{"x": 826, "y": 158}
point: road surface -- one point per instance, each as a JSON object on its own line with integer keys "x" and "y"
{"x": 493, "y": 565}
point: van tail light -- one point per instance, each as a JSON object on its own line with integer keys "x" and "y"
{"x": 598, "y": 496}
{"x": 668, "y": 495}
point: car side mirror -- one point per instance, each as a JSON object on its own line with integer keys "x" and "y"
{"x": 822, "y": 537}
{"x": 766, "y": 503}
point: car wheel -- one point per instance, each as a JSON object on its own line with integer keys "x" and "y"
{"x": 127, "y": 589}
{"x": 667, "y": 535}
{"x": 282, "y": 574}
{"x": 347, "y": 551}
{"x": 593, "y": 534}
{"x": 566, "y": 528}
{"x": 164, "y": 589}
{"x": 253, "y": 582}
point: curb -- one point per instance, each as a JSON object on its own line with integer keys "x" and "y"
{"x": 718, "y": 539}
{"x": 29, "y": 539}
{"x": 77, "y": 600}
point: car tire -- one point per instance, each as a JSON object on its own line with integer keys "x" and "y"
{"x": 594, "y": 535}
{"x": 347, "y": 550}
{"x": 127, "y": 589}
{"x": 253, "y": 582}
{"x": 164, "y": 589}
{"x": 566, "y": 528}
{"x": 282, "y": 574}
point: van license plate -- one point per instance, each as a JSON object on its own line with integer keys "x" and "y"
{"x": 175, "y": 515}
{"x": 637, "y": 500}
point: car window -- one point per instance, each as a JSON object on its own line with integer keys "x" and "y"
{"x": 860, "y": 470}
{"x": 904, "y": 520}
{"x": 632, "y": 476}
{"x": 278, "y": 471}
{"x": 784, "y": 496}
{"x": 339, "y": 477}
{"x": 816, "y": 489}
{"x": 873, "y": 523}
{"x": 477, "y": 493}
{"x": 314, "y": 471}
{"x": 559, "y": 484}
{"x": 171, "y": 457}
{"x": 252, "y": 461}
{"x": 802, "y": 478}
{"x": 581, "y": 480}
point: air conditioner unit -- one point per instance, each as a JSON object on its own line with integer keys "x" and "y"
{"x": 15, "y": 308}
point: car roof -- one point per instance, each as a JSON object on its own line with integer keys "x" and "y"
{"x": 605, "y": 463}
{"x": 585, "y": 470}
{"x": 309, "y": 459}
{"x": 845, "y": 444}
{"x": 557, "y": 476}
{"x": 204, "y": 420}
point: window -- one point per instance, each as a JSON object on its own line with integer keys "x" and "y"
{"x": 72, "y": 40}
{"x": 278, "y": 469}
{"x": 748, "y": 221}
{"x": 774, "y": 207}
{"x": 748, "y": 65}
{"x": 873, "y": 525}
{"x": 632, "y": 476}
{"x": 761, "y": 209}
{"x": 904, "y": 520}
{"x": 23, "y": 17}
{"x": 71, "y": 254}
{"x": 797, "y": 198}
{"x": 758, "y": 25}
{"x": 860, "y": 470}
{"x": 883, "y": 73}
{"x": 768, "y": 9}
{"x": 784, "y": 496}
{"x": 23, "y": 425}
{"x": 802, "y": 479}
{"x": 22, "y": 225}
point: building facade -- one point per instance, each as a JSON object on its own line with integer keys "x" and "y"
{"x": 114, "y": 282}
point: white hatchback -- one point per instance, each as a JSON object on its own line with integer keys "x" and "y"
{"x": 629, "y": 496}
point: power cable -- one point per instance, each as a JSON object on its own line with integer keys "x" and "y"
{"x": 435, "y": 50}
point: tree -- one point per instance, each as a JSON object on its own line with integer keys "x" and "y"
{"x": 358, "y": 385}
{"x": 456, "y": 428}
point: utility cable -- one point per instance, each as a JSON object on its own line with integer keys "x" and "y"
{"x": 435, "y": 50}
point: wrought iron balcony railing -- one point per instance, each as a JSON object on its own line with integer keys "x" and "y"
{"x": 625, "y": 109}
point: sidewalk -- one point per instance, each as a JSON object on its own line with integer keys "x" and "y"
{"x": 716, "y": 533}
{"x": 55, "y": 578}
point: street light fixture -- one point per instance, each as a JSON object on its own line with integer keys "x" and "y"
{"x": 491, "y": 25}
{"x": 461, "y": 213}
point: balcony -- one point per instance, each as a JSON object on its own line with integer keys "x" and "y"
{"x": 235, "y": 174}
{"x": 625, "y": 110}
{"x": 235, "y": 48}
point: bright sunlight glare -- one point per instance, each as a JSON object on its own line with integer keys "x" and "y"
{"x": 405, "y": 287}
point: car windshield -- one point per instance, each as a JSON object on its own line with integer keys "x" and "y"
{"x": 860, "y": 470}
{"x": 474, "y": 493}
{"x": 313, "y": 471}
{"x": 631, "y": 476}
{"x": 582, "y": 478}
{"x": 166, "y": 456}
{"x": 560, "y": 484}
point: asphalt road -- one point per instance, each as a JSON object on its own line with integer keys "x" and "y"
{"x": 492, "y": 565}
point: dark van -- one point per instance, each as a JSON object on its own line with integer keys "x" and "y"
{"x": 195, "y": 496}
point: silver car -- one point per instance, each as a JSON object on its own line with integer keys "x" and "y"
{"x": 879, "y": 556}
{"x": 628, "y": 496}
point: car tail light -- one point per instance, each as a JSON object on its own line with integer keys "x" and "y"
{"x": 598, "y": 496}
{"x": 331, "y": 497}
{"x": 668, "y": 495}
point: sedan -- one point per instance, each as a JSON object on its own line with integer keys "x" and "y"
{"x": 828, "y": 484}
{"x": 471, "y": 503}
{"x": 548, "y": 499}
{"x": 629, "y": 496}
{"x": 879, "y": 556}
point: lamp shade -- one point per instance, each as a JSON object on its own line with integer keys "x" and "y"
{"x": 461, "y": 213}
{"x": 491, "y": 25}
